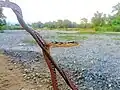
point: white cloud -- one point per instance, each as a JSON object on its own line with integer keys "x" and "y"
{"x": 48, "y": 10}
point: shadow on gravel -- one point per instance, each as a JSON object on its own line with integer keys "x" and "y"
{"x": 85, "y": 79}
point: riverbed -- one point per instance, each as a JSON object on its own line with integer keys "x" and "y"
{"x": 94, "y": 65}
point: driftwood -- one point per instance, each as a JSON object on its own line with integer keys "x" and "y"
{"x": 42, "y": 43}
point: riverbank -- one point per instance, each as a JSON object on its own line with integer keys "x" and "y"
{"x": 16, "y": 75}
{"x": 94, "y": 65}
{"x": 11, "y": 76}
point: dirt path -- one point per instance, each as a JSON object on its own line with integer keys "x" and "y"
{"x": 11, "y": 77}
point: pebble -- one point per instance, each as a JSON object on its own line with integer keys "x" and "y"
{"x": 95, "y": 62}
{"x": 26, "y": 70}
{"x": 10, "y": 68}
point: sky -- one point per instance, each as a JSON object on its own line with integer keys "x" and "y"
{"x": 52, "y": 10}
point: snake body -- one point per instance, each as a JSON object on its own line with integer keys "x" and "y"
{"x": 42, "y": 43}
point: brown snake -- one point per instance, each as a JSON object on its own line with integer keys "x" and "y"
{"x": 42, "y": 43}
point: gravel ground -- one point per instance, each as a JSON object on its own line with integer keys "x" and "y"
{"x": 94, "y": 65}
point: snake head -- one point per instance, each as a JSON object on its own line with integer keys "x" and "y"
{"x": 11, "y": 5}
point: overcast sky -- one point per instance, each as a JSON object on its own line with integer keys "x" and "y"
{"x": 49, "y": 10}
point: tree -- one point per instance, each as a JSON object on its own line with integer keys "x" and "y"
{"x": 116, "y": 17}
{"x": 98, "y": 19}
{"x": 116, "y": 9}
{"x": 109, "y": 19}
{"x": 54, "y": 24}
{"x": 74, "y": 25}
{"x": 67, "y": 23}
{"x": 2, "y": 19}
{"x": 59, "y": 24}
{"x": 84, "y": 22}
{"x": 37, "y": 25}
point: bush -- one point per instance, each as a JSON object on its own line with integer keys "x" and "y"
{"x": 1, "y": 31}
{"x": 109, "y": 28}
{"x": 100, "y": 29}
{"x": 116, "y": 28}
{"x": 104, "y": 29}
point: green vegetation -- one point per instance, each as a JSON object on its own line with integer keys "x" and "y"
{"x": 29, "y": 41}
{"x": 115, "y": 38}
{"x": 60, "y": 37}
{"x": 63, "y": 25}
{"x": 70, "y": 37}
{"x": 13, "y": 27}
{"x": 99, "y": 23}
{"x": 2, "y": 20}
{"x": 103, "y": 22}
{"x": 7, "y": 26}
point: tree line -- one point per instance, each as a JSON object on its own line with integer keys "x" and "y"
{"x": 62, "y": 24}
{"x": 100, "y": 22}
